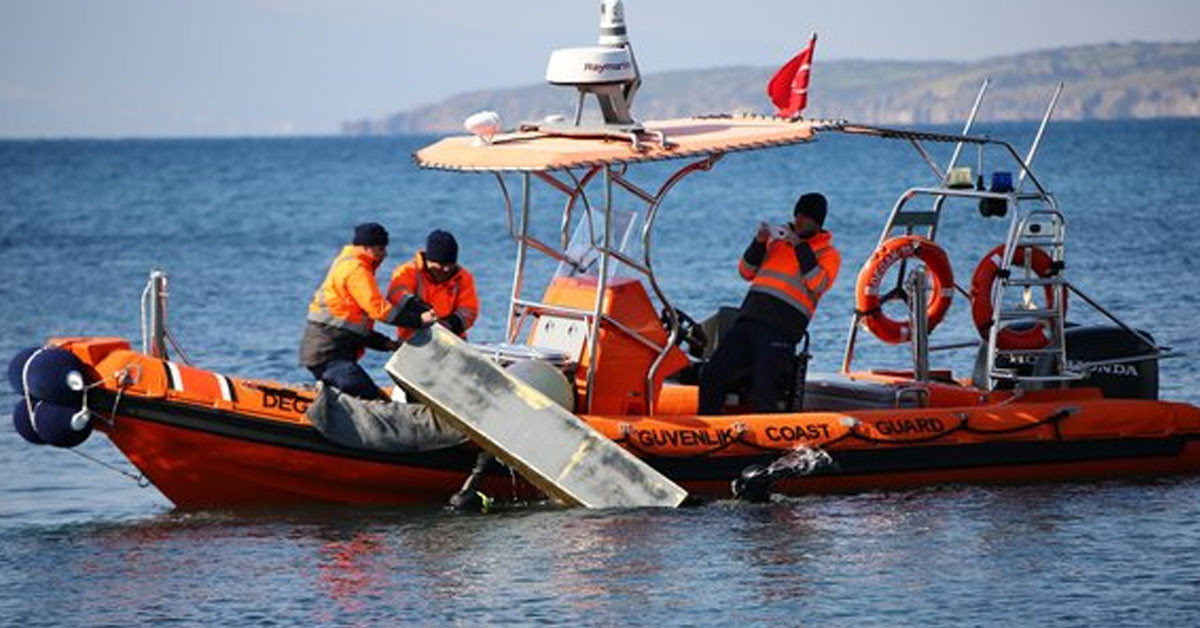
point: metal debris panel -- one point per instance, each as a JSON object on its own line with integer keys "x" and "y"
{"x": 550, "y": 447}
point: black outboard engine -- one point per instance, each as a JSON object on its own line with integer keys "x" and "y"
{"x": 1123, "y": 380}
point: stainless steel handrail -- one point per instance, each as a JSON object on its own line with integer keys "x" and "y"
{"x": 1037, "y": 139}
{"x": 601, "y": 285}
{"x": 703, "y": 165}
{"x": 519, "y": 266}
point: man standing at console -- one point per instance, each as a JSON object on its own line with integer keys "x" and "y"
{"x": 788, "y": 272}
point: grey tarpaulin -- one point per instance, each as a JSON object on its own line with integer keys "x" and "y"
{"x": 379, "y": 425}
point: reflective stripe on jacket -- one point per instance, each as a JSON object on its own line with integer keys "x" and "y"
{"x": 349, "y": 298}
{"x": 778, "y": 271}
{"x": 454, "y": 297}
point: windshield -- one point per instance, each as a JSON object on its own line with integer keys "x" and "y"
{"x": 583, "y": 254}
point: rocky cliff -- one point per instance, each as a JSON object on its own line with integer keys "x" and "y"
{"x": 1136, "y": 80}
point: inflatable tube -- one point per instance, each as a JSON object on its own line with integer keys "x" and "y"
{"x": 55, "y": 424}
{"x": 23, "y": 423}
{"x": 868, "y": 301}
{"x": 16, "y": 365}
{"x": 1024, "y": 336}
{"x": 56, "y": 375}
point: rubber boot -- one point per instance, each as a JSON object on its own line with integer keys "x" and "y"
{"x": 469, "y": 498}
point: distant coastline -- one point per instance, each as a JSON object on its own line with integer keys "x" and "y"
{"x": 1108, "y": 81}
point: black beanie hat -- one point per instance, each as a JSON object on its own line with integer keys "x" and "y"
{"x": 441, "y": 247}
{"x": 370, "y": 234}
{"x": 812, "y": 205}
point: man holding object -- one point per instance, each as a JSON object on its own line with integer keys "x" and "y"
{"x": 788, "y": 270}
{"x": 341, "y": 316}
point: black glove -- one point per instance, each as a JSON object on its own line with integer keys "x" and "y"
{"x": 453, "y": 323}
{"x": 410, "y": 314}
{"x": 380, "y": 342}
{"x": 805, "y": 257}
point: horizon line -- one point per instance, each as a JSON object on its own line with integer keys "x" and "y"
{"x": 382, "y": 136}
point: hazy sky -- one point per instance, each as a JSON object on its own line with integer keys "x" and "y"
{"x": 265, "y": 67}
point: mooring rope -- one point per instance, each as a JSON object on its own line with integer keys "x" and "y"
{"x": 121, "y": 378}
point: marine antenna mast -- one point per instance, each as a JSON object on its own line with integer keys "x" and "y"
{"x": 609, "y": 72}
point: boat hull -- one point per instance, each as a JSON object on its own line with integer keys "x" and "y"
{"x": 206, "y": 440}
{"x": 202, "y": 459}
{"x": 210, "y": 459}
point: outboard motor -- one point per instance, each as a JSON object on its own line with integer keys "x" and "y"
{"x": 1123, "y": 380}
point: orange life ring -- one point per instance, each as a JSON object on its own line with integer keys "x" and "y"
{"x": 868, "y": 301}
{"x": 1032, "y": 337}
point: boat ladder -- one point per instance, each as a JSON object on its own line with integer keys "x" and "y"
{"x": 1046, "y": 364}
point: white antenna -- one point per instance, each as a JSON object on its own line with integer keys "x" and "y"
{"x": 612, "y": 24}
{"x": 608, "y": 71}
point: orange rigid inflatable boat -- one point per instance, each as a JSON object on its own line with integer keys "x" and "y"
{"x": 1048, "y": 401}
{"x": 206, "y": 440}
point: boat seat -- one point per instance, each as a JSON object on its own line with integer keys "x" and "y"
{"x": 827, "y": 392}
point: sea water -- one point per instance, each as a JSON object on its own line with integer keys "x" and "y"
{"x": 246, "y": 229}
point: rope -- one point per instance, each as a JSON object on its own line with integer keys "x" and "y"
{"x": 119, "y": 377}
{"x": 925, "y": 439}
{"x": 1053, "y": 419}
{"x": 775, "y": 471}
{"x": 25, "y": 384}
{"x": 140, "y": 479}
{"x": 627, "y": 431}
{"x": 963, "y": 425}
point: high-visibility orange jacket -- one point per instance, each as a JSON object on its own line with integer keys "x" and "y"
{"x": 343, "y": 310}
{"x": 787, "y": 281}
{"x": 349, "y": 298}
{"x": 454, "y": 298}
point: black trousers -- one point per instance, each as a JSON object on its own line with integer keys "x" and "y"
{"x": 348, "y": 377}
{"x": 754, "y": 349}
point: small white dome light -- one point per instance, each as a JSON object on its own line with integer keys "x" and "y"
{"x": 484, "y": 125}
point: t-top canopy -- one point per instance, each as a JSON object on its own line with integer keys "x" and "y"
{"x": 686, "y": 137}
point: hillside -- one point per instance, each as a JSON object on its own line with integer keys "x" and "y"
{"x": 1136, "y": 80}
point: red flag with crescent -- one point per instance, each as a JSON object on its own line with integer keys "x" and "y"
{"x": 788, "y": 89}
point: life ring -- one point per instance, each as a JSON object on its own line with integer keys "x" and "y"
{"x": 869, "y": 302}
{"x": 1010, "y": 337}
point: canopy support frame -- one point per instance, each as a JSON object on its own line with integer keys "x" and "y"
{"x": 576, "y": 192}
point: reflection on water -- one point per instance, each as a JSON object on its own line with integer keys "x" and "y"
{"x": 948, "y": 555}
{"x": 352, "y": 568}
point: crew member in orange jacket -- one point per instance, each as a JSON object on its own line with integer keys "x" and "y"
{"x": 788, "y": 273}
{"x": 434, "y": 276}
{"x": 341, "y": 316}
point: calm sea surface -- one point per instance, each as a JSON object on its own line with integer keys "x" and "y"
{"x": 246, "y": 229}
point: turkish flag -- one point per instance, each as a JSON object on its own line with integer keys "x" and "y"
{"x": 788, "y": 89}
